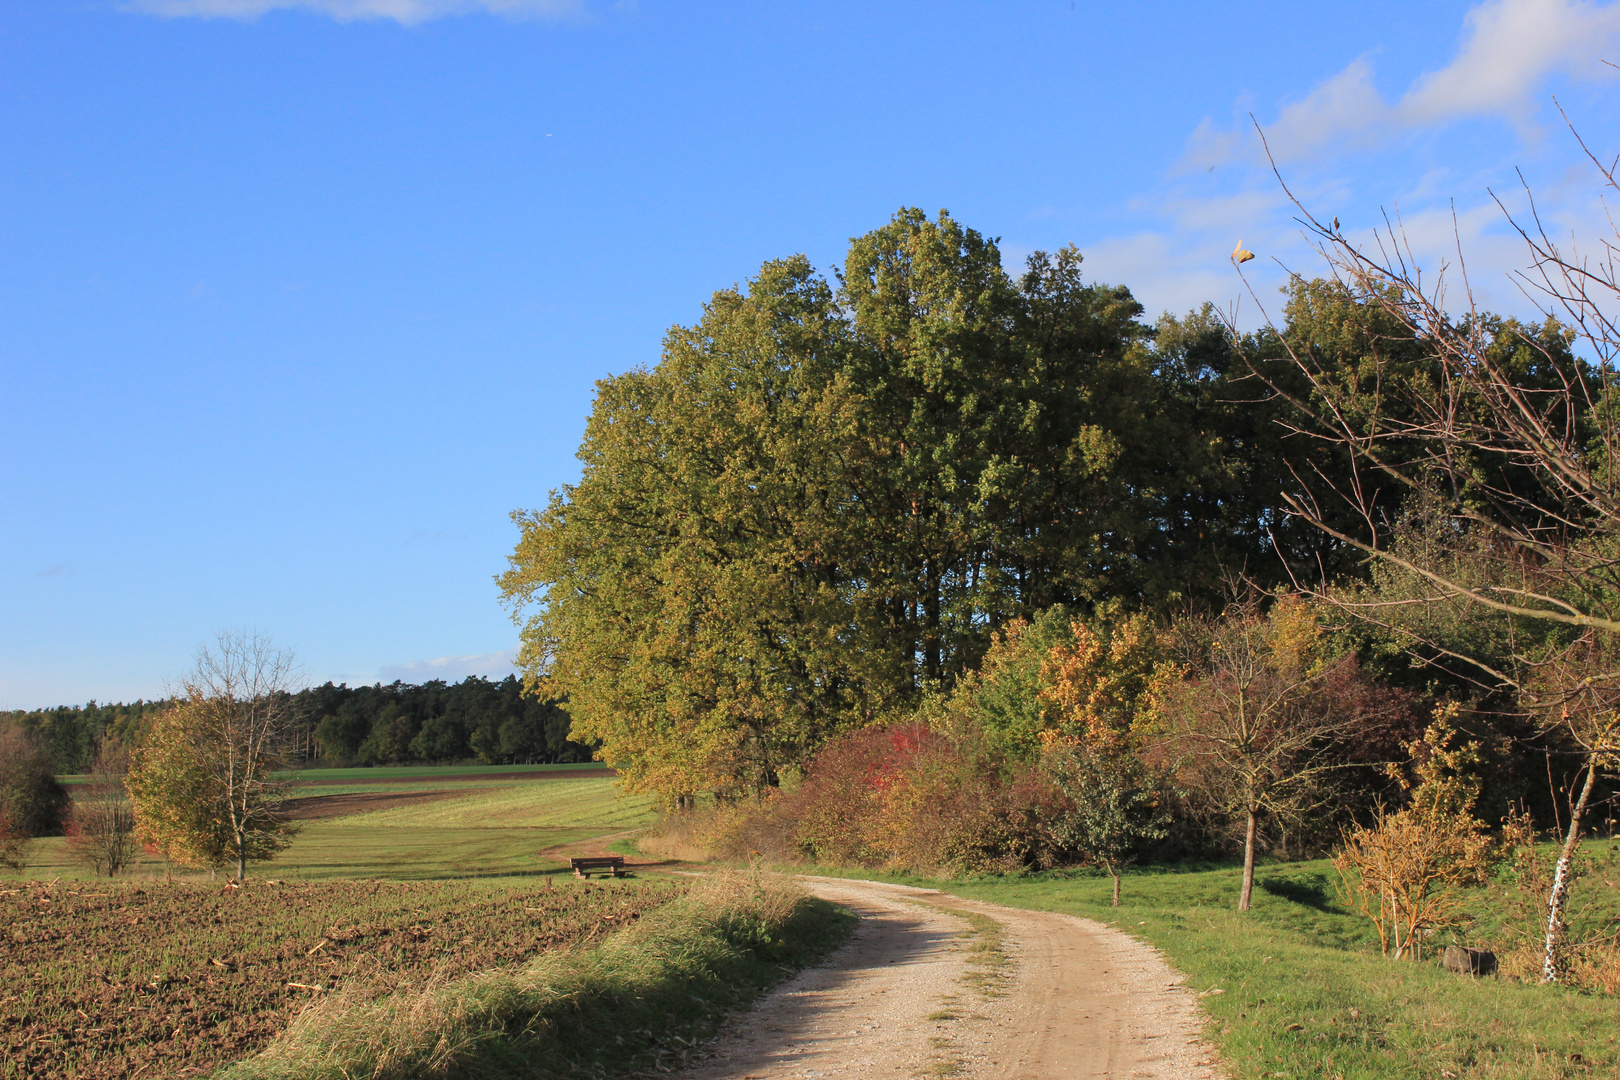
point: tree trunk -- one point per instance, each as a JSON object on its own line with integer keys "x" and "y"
{"x": 1550, "y": 960}
{"x": 1115, "y": 875}
{"x": 241, "y": 858}
{"x": 1248, "y": 862}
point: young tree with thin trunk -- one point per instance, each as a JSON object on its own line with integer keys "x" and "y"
{"x": 1115, "y": 807}
{"x": 1250, "y": 724}
{"x": 100, "y": 825}
{"x": 202, "y": 782}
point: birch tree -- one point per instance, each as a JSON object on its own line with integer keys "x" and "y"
{"x": 203, "y": 782}
{"x": 1500, "y": 442}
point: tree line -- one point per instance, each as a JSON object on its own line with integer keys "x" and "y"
{"x": 822, "y": 505}
{"x": 476, "y": 719}
{"x": 931, "y": 562}
{"x": 201, "y": 778}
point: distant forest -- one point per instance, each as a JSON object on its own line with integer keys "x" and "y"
{"x": 435, "y": 722}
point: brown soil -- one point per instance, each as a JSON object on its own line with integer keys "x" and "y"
{"x": 463, "y": 778}
{"x": 319, "y": 807}
{"x": 915, "y": 993}
{"x": 116, "y": 981}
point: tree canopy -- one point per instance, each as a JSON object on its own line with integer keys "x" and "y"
{"x": 825, "y": 498}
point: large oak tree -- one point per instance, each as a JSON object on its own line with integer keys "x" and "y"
{"x": 824, "y": 499}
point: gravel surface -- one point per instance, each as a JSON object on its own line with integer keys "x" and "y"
{"x": 935, "y": 985}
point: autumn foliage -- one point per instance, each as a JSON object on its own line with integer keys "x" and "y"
{"x": 1090, "y": 741}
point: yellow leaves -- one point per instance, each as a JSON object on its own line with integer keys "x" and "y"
{"x": 1405, "y": 871}
{"x": 1293, "y": 635}
{"x": 1240, "y": 255}
{"x": 1097, "y": 684}
{"x": 1447, "y": 783}
{"x": 1096, "y": 448}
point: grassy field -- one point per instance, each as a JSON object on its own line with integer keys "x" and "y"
{"x": 430, "y": 773}
{"x": 570, "y": 804}
{"x": 115, "y": 979}
{"x": 1298, "y": 988}
{"x": 489, "y": 832}
{"x": 466, "y": 825}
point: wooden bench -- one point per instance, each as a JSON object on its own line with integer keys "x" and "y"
{"x": 612, "y": 864}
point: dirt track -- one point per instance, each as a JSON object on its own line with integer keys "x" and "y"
{"x": 911, "y": 994}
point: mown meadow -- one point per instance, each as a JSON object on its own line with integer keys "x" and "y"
{"x": 421, "y": 822}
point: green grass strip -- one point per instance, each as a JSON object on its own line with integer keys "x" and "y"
{"x": 641, "y": 997}
{"x": 1297, "y": 988}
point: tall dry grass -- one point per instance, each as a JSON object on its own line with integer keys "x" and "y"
{"x": 569, "y": 1012}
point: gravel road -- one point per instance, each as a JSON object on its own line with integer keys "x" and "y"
{"x": 933, "y": 985}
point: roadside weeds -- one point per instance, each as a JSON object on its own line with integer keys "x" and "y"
{"x": 643, "y": 998}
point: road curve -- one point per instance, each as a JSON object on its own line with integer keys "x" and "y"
{"x": 917, "y": 991}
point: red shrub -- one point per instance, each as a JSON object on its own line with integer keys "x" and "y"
{"x": 914, "y": 798}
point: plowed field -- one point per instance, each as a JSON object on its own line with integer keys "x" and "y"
{"x": 168, "y": 980}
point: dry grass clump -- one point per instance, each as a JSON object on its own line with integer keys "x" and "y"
{"x": 1515, "y": 916}
{"x": 566, "y": 1012}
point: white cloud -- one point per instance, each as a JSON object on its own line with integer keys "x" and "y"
{"x": 1165, "y": 271}
{"x": 495, "y": 665}
{"x": 402, "y": 11}
{"x": 1342, "y": 113}
{"x": 1509, "y": 49}
{"x": 1345, "y": 150}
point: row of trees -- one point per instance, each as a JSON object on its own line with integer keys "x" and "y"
{"x": 195, "y": 778}
{"x": 822, "y": 504}
{"x": 493, "y": 722}
{"x": 823, "y": 501}
{"x": 393, "y": 724}
{"x": 195, "y": 782}
{"x": 828, "y": 509}
{"x": 1089, "y": 737}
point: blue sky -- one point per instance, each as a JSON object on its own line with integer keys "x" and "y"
{"x": 299, "y": 299}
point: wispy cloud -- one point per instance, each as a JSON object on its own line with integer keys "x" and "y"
{"x": 1509, "y": 49}
{"x": 495, "y": 665}
{"x": 401, "y": 11}
{"x": 53, "y": 571}
{"x": 1349, "y": 150}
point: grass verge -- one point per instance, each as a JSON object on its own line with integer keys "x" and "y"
{"x": 638, "y": 1000}
{"x": 1297, "y": 987}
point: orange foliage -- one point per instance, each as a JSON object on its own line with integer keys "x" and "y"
{"x": 1097, "y": 686}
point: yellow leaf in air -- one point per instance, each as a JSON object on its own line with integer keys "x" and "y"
{"x": 1240, "y": 255}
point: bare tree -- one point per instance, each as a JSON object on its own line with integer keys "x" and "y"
{"x": 203, "y": 782}
{"x": 100, "y": 825}
{"x": 1503, "y": 441}
{"x": 1250, "y": 724}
